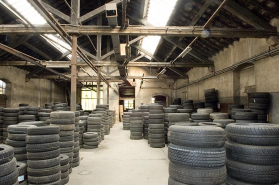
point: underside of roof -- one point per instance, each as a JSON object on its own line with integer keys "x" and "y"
{"x": 186, "y": 13}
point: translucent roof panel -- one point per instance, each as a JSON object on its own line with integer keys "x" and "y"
{"x": 27, "y": 11}
{"x": 158, "y": 15}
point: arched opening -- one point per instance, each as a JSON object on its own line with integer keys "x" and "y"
{"x": 161, "y": 99}
{"x": 5, "y": 93}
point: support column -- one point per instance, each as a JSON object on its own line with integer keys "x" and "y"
{"x": 74, "y": 21}
{"x": 74, "y": 74}
{"x": 98, "y": 85}
{"x": 107, "y": 94}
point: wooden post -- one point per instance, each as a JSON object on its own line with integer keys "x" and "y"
{"x": 98, "y": 85}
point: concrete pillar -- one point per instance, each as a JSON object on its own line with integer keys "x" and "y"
{"x": 236, "y": 87}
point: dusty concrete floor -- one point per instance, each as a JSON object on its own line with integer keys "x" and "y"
{"x": 121, "y": 161}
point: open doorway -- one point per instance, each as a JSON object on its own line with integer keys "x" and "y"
{"x": 161, "y": 100}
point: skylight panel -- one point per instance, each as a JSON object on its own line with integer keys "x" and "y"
{"x": 158, "y": 15}
{"x": 27, "y": 11}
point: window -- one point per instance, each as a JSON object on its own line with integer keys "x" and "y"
{"x": 89, "y": 96}
{"x": 2, "y": 87}
{"x": 128, "y": 104}
{"x": 152, "y": 100}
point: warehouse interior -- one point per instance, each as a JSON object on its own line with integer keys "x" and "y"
{"x": 129, "y": 57}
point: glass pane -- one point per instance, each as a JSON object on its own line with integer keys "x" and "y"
{"x": 94, "y": 94}
{"x": 4, "y": 85}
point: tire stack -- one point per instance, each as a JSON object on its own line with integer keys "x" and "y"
{"x": 10, "y": 117}
{"x": 66, "y": 121}
{"x": 106, "y": 121}
{"x": 44, "y": 116}
{"x": 126, "y": 120}
{"x": 218, "y": 115}
{"x": 175, "y": 118}
{"x": 145, "y": 125}
{"x": 224, "y": 122}
{"x": 199, "y": 105}
{"x": 197, "y": 155}
{"x": 76, "y": 158}
{"x": 102, "y": 115}
{"x": 91, "y": 140}
{"x": 177, "y": 101}
{"x": 230, "y": 107}
{"x": 26, "y": 118}
{"x": 111, "y": 115}
{"x": 200, "y": 117}
{"x": 136, "y": 125}
{"x": 167, "y": 111}
{"x": 65, "y": 166}
{"x": 33, "y": 111}
{"x": 60, "y": 106}
{"x": 22, "y": 173}
{"x": 211, "y": 99}
{"x": 82, "y": 124}
{"x": 8, "y": 170}
{"x": 94, "y": 124}
{"x": 188, "y": 104}
{"x": 156, "y": 130}
{"x": 252, "y": 153}
{"x": 36, "y": 123}
{"x": 259, "y": 103}
{"x": 43, "y": 155}
{"x": 1, "y": 124}
{"x": 235, "y": 110}
{"x": 246, "y": 117}
{"x": 48, "y": 106}
{"x": 16, "y": 138}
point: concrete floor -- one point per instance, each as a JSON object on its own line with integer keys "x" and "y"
{"x": 121, "y": 161}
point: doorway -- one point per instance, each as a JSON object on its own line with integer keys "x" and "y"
{"x": 161, "y": 100}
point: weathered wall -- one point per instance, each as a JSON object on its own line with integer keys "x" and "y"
{"x": 35, "y": 92}
{"x": 262, "y": 75}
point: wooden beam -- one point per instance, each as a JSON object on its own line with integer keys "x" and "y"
{"x": 16, "y": 41}
{"x": 147, "y": 53}
{"x": 57, "y": 12}
{"x": 110, "y": 64}
{"x": 97, "y": 12}
{"x": 201, "y": 12}
{"x": 247, "y": 16}
{"x": 63, "y": 55}
{"x": 187, "y": 31}
{"x": 36, "y": 50}
{"x": 193, "y": 53}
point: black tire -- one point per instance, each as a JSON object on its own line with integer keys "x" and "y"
{"x": 246, "y": 116}
{"x": 36, "y": 123}
{"x": 157, "y": 140}
{"x": 62, "y": 114}
{"x": 171, "y": 181}
{"x": 197, "y": 157}
{"x": 33, "y": 148}
{"x": 197, "y": 116}
{"x": 156, "y": 116}
{"x": 157, "y": 145}
{"x": 10, "y": 179}
{"x": 44, "y": 179}
{"x": 65, "y": 180}
{"x": 192, "y": 136}
{"x": 65, "y": 127}
{"x": 260, "y": 134}
{"x": 210, "y": 124}
{"x": 8, "y": 168}
{"x": 65, "y": 168}
{"x": 91, "y": 140}
{"x": 62, "y": 121}
{"x": 156, "y": 131}
{"x": 47, "y": 130}
{"x": 64, "y": 159}
{"x": 197, "y": 176}
{"x": 137, "y": 129}
{"x": 89, "y": 147}
{"x": 66, "y": 144}
{"x": 6, "y": 153}
{"x": 224, "y": 122}
{"x": 19, "y": 150}
{"x": 257, "y": 174}
{"x": 156, "y": 121}
{"x": 90, "y": 135}
{"x": 19, "y": 129}
{"x": 43, "y": 171}
{"x": 261, "y": 155}
{"x": 64, "y": 174}
{"x": 170, "y": 110}
{"x": 136, "y": 137}
{"x": 40, "y": 139}
{"x": 15, "y": 143}
{"x": 17, "y": 137}
{"x": 156, "y": 136}
{"x": 66, "y": 133}
{"x": 21, "y": 157}
{"x": 231, "y": 181}
{"x": 43, "y": 155}
{"x": 41, "y": 164}
{"x": 22, "y": 168}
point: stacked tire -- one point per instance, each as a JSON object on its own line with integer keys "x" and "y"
{"x": 175, "y": 118}
{"x": 126, "y": 120}
{"x": 44, "y": 116}
{"x": 65, "y": 166}
{"x": 156, "y": 131}
{"x": 235, "y": 110}
{"x": 10, "y": 117}
{"x": 106, "y": 120}
{"x": 91, "y": 140}
{"x": 16, "y": 138}
{"x": 252, "y": 153}
{"x": 200, "y": 117}
{"x": 22, "y": 173}
{"x": 177, "y": 101}
{"x": 145, "y": 125}
{"x": 60, "y": 106}
{"x": 1, "y": 124}
{"x": 246, "y": 117}
{"x": 8, "y": 170}
{"x": 94, "y": 124}
{"x": 223, "y": 122}
{"x": 199, "y": 105}
{"x": 76, "y": 158}
{"x": 43, "y": 155}
{"x": 211, "y": 99}
{"x": 136, "y": 125}
{"x": 234, "y": 106}
{"x": 48, "y": 106}
{"x": 66, "y": 122}
{"x": 33, "y": 111}
{"x": 197, "y": 155}
{"x": 167, "y": 111}
{"x": 26, "y": 118}
{"x": 259, "y": 103}
{"x": 105, "y": 126}
{"x": 82, "y": 124}
{"x": 188, "y": 104}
